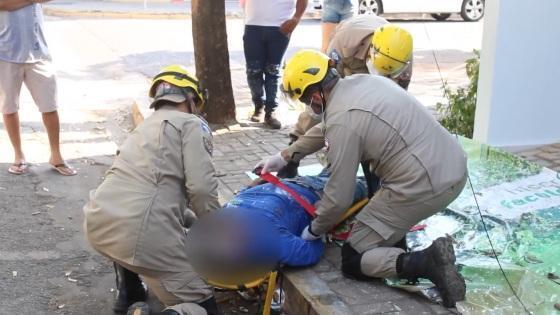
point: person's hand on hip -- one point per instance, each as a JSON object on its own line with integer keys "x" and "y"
{"x": 288, "y": 26}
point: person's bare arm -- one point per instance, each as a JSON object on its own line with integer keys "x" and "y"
{"x": 288, "y": 26}
{"x": 12, "y": 5}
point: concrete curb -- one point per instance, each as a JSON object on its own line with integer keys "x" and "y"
{"x": 114, "y": 14}
{"x": 58, "y": 12}
{"x": 307, "y": 294}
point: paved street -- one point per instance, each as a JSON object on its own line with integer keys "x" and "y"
{"x": 104, "y": 65}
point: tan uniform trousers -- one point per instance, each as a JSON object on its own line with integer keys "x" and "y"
{"x": 173, "y": 288}
{"x": 379, "y": 258}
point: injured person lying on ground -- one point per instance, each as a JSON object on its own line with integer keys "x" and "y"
{"x": 263, "y": 226}
{"x": 258, "y": 230}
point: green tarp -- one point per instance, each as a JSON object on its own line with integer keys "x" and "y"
{"x": 520, "y": 203}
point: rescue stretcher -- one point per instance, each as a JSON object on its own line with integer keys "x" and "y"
{"x": 270, "y": 279}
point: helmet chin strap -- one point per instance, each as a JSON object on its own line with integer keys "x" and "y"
{"x": 323, "y": 102}
{"x": 321, "y": 115}
{"x": 370, "y": 67}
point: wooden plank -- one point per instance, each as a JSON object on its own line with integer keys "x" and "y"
{"x": 137, "y": 116}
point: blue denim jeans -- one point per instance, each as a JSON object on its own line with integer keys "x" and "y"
{"x": 264, "y": 48}
{"x": 335, "y": 11}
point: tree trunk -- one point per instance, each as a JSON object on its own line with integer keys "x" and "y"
{"x": 212, "y": 58}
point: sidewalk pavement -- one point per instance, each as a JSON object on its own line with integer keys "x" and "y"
{"x": 545, "y": 155}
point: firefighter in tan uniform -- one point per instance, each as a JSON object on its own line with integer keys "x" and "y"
{"x": 422, "y": 169}
{"x": 364, "y": 44}
{"x": 137, "y": 216}
{"x": 369, "y": 44}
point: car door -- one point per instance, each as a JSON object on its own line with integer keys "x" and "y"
{"x": 439, "y": 6}
{"x": 401, "y": 6}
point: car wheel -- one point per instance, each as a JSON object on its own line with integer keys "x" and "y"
{"x": 441, "y": 16}
{"x": 472, "y": 10}
{"x": 374, "y": 7}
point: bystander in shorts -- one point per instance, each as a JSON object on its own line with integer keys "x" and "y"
{"x": 335, "y": 11}
{"x": 39, "y": 78}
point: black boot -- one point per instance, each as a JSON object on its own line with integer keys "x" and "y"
{"x": 402, "y": 244}
{"x": 351, "y": 264}
{"x": 271, "y": 121}
{"x": 258, "y": 113}
{"x": 130, "y": 289}
{"x": 436, "y": 263}
{"x": 289, "y": 171}
{"x": 211, "y": 306}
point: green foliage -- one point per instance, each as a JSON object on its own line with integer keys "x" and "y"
{"x": 458, "y": 115}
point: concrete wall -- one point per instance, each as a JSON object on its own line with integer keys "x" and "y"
{"x": 519, "y": 84}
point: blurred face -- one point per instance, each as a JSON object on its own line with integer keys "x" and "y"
{"x": 219, "y": 248}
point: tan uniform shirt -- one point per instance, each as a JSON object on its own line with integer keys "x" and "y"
{"x": 137, "y": 215}
{"x": 369, "y": 118}
{"x": 351, "y": 41}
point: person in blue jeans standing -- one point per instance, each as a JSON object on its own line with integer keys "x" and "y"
{"x": 334, "y": 12}
{"x": 268, "y": 26}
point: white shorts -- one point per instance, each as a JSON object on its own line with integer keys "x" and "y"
{"x": 40, "y": 80}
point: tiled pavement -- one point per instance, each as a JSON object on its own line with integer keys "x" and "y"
{"x": 239, "y": 148}
{"x": 547, "y": 155}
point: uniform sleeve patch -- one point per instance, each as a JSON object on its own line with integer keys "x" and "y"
{"x": 207, "y": 137}
{"x": 208, "y": 145}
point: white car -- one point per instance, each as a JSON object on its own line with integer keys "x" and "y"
{"x": 470, "y": 10}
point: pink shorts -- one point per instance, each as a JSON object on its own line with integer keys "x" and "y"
{"x": 40, "y": 80}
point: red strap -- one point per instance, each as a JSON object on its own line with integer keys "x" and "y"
{"x": 418, "y": 227}
{"x": 309, "y": 208}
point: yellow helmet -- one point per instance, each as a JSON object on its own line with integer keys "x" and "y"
{"x": 305, "y": 68}
{"x": 391, "y": 50}
{"x": 176, "y": 76}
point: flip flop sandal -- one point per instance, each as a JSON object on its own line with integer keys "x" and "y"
{"x": 18, "y": 168}
{"x": 65, "y": 169}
